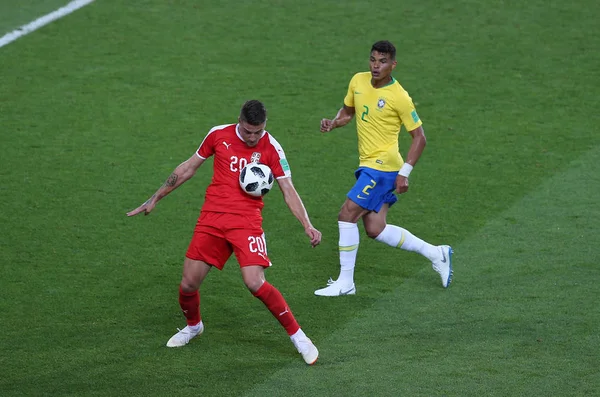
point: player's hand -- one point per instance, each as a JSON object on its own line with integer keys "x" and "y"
{"x": 314, "y": 235}
{"x": 146, "y": 208}
{"x": 326, "y": 125}
{"x": 401, "y": 184}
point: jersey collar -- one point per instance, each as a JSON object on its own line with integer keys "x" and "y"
{"x": 388, "y": 84}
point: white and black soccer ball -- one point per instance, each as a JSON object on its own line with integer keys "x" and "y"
{"x": 256, "y": 179}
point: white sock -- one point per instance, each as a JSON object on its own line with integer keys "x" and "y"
{"x": 195, "y": 327}
{"x": 348, "y": 245}
{"x": 398, "y": 237}
{"x": 299, "y": 335}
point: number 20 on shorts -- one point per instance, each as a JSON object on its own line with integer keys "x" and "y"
{"x": 257, "y": 244}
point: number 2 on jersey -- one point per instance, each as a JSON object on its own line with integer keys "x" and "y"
{"x": 365, "y": 113}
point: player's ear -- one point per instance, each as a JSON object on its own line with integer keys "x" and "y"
{"x": 394, "y": 63}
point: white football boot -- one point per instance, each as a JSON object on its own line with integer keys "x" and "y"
{"x": 184, "y": 336}
{"x": 444, "y": 265}
{"x": 307, "y": 349}
{"x": 335, "y": 288}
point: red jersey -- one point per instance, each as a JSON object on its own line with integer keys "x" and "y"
{"x": 224, "y": 193}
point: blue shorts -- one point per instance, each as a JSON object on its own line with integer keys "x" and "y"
{"x": 373, "y": 188}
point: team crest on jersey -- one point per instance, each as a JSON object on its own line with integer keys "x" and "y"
{"x": 380, "y": 103}
{"x": 255, "y": 157}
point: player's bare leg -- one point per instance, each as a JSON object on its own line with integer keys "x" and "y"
{"x": 254, "y": 278}
{"x": 194, "y": 273}
{"x": 349, "y": 239}
{"x": 397, "y": 237}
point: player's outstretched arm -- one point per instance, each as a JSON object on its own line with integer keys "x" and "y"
{"x": 182, "y": 173}
{"x": 294, "y": 203}
{"x": 343, "y": 117}
{"x": 414, "y": 153}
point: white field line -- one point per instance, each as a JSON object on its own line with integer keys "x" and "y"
{"x": 41, "y": 21}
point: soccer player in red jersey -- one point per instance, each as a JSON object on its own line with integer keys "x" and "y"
{"x": 231, "y": 221}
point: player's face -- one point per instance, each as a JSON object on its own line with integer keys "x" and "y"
{"x": 381, "y": 66}
{"x": 251, "y": 133}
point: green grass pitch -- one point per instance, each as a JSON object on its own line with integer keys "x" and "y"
{"x": 97, "y": 108}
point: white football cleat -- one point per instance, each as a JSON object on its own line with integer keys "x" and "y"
{"x": 307, "y": 349}
{"x": 335, "y": 288}
{"x": 444, "y": 265}
{"x": 184, "y": 336}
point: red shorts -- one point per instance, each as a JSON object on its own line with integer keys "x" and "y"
{"x": 218, "y": 234}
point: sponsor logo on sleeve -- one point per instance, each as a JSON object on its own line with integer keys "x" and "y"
{"x": 415, "y": 116}
{"x": 284, "y": 165}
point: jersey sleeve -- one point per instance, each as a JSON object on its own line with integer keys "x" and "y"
{"x": 408, "y": 113}
{"x": 277, "y": 160}
{"x": 349, "y": 99}
{"x": 207, "y": 147}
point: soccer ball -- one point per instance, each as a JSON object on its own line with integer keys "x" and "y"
{"x": 256, "y": 179}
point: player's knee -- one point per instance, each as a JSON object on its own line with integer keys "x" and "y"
{"x": 372, "y": 234}
{"x": 350, "y": 213}
{"x": 373, "y": 230}
{"x": 253, "y": 284}
{"x": 342, "y": 214}
{"x": 188, "y": 284}
{"x": 253, "y": 280}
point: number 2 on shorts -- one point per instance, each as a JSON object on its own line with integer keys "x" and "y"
{"x": 369, "y": 187}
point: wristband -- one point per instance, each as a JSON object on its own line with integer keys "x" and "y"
{"x": 405, "y": 170}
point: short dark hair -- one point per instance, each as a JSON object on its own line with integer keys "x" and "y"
{"x": 385, "y": 47}
{"x": 253, "y": 112}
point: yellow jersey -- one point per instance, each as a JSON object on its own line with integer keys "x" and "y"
{"x": 379, "y": 114}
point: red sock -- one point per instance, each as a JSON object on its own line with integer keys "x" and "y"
{"x": 277, "y": 305}
{"x": 190, "y": 306}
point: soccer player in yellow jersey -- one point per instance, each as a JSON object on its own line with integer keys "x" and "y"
{"x": 381, "y": 107}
